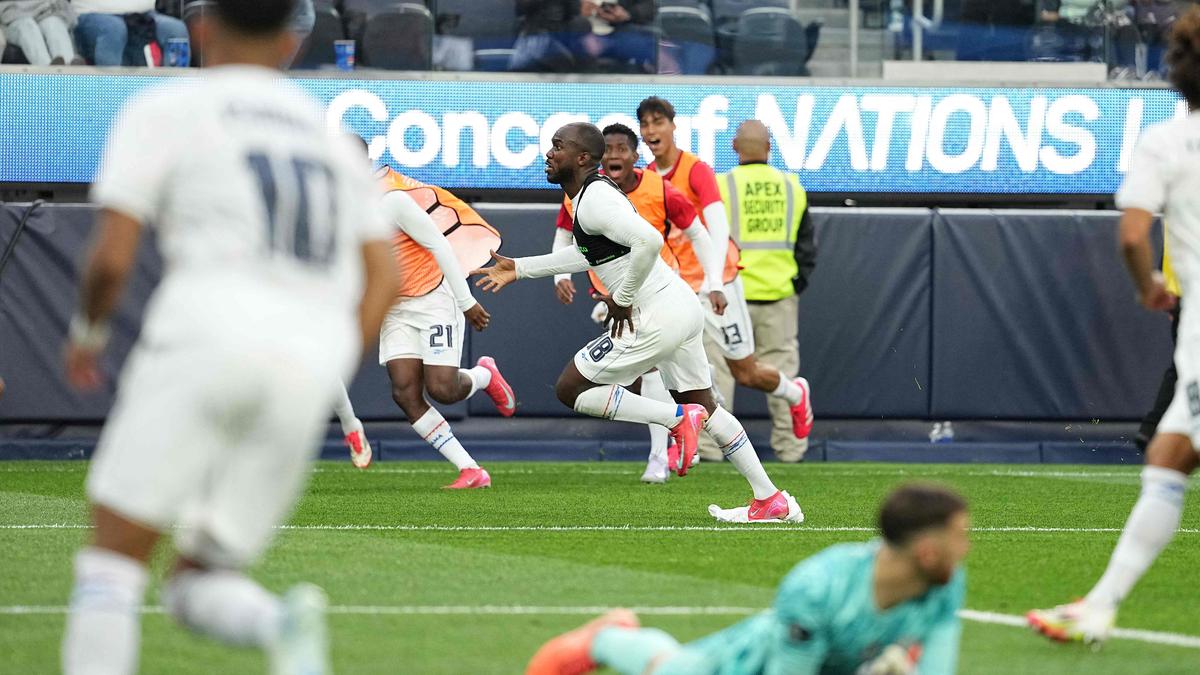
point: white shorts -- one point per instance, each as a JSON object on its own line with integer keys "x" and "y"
{"x": 215, "y": 440}
{"x": 732, "y": 331}
{"x": 429, "y": 328}
{"x": 668, "y": 335}
{"x": 1183, "y": 415}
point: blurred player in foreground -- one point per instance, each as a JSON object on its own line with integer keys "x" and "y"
{"x": 277, "y": 271}
{"x": 422, "y": 337}
{"x": 879, "y": 608}
{"x": 1163, "y": 176}
{"x": 730, "y": 330}
{"x": 656, "y": 322}
{"x": 667, "y": 210}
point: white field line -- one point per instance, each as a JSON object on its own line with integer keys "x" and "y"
{"x": 1152, "y": 637}
{"x": 776, "y": 528}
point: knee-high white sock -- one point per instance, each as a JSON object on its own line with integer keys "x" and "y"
{"x": 731, "y": 437}
{"x": 1150, "y": 527}
{"x": 480, "y": 378}
{"x": 224, "y": 605}
{"x": 345, "y": 410}
{"x": 104, "y": 623}
{"x": 436, "y": 431}
{"x": 618, "y": 403}
{"x": 653, "y": 388}
{"x": 788, "y": 390}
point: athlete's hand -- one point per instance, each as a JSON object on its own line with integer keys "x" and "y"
{"x": 478, "y": 317}
{"x": 503, "y": 273}
{"x": 618, "y": 316}
{"x": 1155, "y": 297}
{"x": 565, "y": 290}
{"x": 83, "y": 368}
{"x": 718, "y": 302}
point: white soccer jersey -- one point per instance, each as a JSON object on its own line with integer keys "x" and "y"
{"x": 253, "y": 203}
{"x": 1164, "y": 176}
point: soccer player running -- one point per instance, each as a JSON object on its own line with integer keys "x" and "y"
{"x": 656, "y": 321}
{"x": 1163, "y": 176}
{"x": 664, "y": 207}
{"x": 277, "y": 270}
{"x": 422, "y": 337}
{"x": 880, "y": 608}
{"x": 730, "y": 330}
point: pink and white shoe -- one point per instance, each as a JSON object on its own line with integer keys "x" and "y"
{"x": 780, "y": 507}
{"x": 802, "y": 414}
{"x": 498, "y": 389}
{"x": 687, "y": 435}
{"x": 470, "y": 479}
{"x": 360, "y": 449}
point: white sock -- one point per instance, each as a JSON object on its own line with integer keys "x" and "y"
{"x": 480, "y": 378}
{"x": 788, "y": 390}
{"x": 345, "y": 411}
{"x": 1150, "y": 527}
{"x": 731, "y": 437}
{"x": 436, "y": 431}
{"x": 103, "y": 626}
{"x": 224, "y": 605}
{"x": 612, "y": 402}
{"x": 653, "y": 388}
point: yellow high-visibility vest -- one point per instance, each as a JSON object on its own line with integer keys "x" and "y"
{"x": 764, "y": 206}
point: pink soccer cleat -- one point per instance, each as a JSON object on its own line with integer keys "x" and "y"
{"x": 802, "y": 414}
{"x": 778, "y": 508}
{"x": 360, "y": 449}
{"x": 686, "y": 434}
{"x": 571, "y": 653}
{"x": 470, "y": 479}
{"x": 499, "y": 391}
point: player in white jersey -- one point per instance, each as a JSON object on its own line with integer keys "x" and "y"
{"x": 1163, "y": 176}
{"x": 656, "y": 321}
{"x": 277, "y": 270}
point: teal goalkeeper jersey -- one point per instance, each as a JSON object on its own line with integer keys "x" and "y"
{"x": 824, "y": 621}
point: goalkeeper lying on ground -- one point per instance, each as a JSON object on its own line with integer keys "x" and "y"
{"x": 878, "y": 608}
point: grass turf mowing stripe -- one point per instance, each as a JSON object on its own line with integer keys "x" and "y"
{"x": 763, "y": 527}
{"x": 1152, "y": 637}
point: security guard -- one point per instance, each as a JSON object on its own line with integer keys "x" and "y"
{"x": 769, "y": 220}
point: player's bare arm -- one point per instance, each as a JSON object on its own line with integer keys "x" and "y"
{"x": 104, "y": 277}
{"x": 380, "y": 269}
{"x": 502, "y": 273}
{"x": 1139, "y": 260}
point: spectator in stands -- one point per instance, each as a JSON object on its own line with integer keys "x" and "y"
{"x": 41, "y": 28}
{"x": 114, "y": 32}
{"x": 1086, "y": 30}
{"x": 995, "y": 30}
{"x": 622, "y": 35}
{"x": 546, "y": 37}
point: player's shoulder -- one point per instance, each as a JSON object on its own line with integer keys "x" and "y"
{"x": 828, "y": 569}
{"x": 1166, "y": 134}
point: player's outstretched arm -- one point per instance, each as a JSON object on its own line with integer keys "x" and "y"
{"x": 379, "y": 290}
{"x": 499, "y": 275}
{"x": 105, "y": 274}
{"x": 1139, "y": 259}
{"x": 567, "y": 260}
{"x": 702, "y": 242}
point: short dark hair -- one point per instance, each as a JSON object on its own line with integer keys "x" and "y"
{"x": 1183, "y": 54}
{"x": 618, "y": 128}
{"x": 256, "y": 17}
{"x": 653, "y": 105}
{"x": 915, "y": 507}
{"x": 588, "y": 137}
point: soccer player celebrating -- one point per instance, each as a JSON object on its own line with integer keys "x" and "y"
{"x": 666, "y": 209}
{"x": 731, "y": 329}
{"x": 422, "y": 337}
{"x": 882, "y": 607}
{"x": 266, "y": 226}
{"x": 1164, "y": 175}
{"x": 656, "y": 321}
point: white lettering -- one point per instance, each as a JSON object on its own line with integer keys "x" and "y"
{"x": 918, "y": 131}
{"x": 430, "y": 144}
{"x": 938, "y": 122}
{"x": 1133, "y": 129}
{"x": 707, "y": 122}
{"x": 453, "y": 125}
{"x": 363, "y": 99}
{"x": 789, "y": 142}
{"x": 1003, "y": 124}
{"x": 508, "y": 158}
{"x": 844, "y": 116}
{"x": 886, "y": 109}
{"x": 1058, "y": 128}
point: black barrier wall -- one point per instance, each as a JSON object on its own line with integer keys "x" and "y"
{"x": 910, "y": 313}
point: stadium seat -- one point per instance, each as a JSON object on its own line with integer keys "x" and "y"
{"x": 725, "y": 13}
{"x": 491, "y": 25}
{"x": 399, "y": 38}
{"x": 688, "y": 38}
{"x": 318, "y": 49}
{"x": 769, "y": 41}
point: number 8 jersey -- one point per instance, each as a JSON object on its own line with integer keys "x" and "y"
{"x": 258, "y": 211}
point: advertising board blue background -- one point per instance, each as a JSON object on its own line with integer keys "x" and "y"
{"x": 491, "y": 134}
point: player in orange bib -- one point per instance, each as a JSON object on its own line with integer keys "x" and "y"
{"x": 437, "y": 237}
{"x": 670, "y": 212}
{"x": 730, "y": 330}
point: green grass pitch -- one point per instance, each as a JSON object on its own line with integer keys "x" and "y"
{"x": 425, "y": 581}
